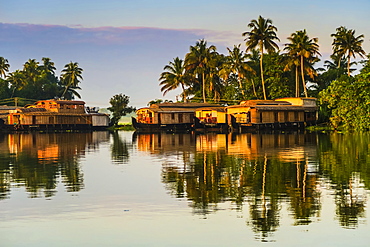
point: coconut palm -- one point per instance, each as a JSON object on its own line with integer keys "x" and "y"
{"x": 47, "y": 66}
{"x": 4, "y": 67}
{"x": 173, "y": 77}
{"x": 261, "y": 36}
{"x": 236, "y": 64}
{"x": 196, "y": 62}
{"x": 70, "y": 78}
{"x": 307, "y": 50}
{"x": 17, "y": 81}
{"x": 346, "y": 44}
{"x": 31, "y": 70}
{"x": 253, "y": 60}
{"x": 292, "y": 62}
{"x": 214, "y": 73}
{"x": 338, "y": 64}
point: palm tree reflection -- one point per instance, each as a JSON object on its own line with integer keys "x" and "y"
{"x": 262, "y": 171}
{"x": 40, "y": 161}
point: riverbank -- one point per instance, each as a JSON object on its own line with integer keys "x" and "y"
{"x": 127, "y": 127}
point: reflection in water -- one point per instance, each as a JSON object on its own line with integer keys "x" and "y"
{"x": 345, "y": 160}
{"x": 265, "y": 172}
{"x": 120, "y": 149}
{"x": 39, "y": 161}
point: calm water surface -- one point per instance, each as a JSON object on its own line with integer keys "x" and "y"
{"x": 127, "y": 189}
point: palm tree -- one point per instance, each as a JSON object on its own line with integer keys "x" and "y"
{"x": 47, "y": 66}
{"x": 214, "y": 73}
{"x": 4, "y": 67}
{"x": 261, "y": 36}
{"x": 70, "y": 78}
{"x": 174, "y": 76}
{"x": 236, "y": 64}
{"x": 17, "y": 81}
{"x": 253, "y": 59}
{"x": 338, "y": 64}
{"x": 306, "y": 50}
{"x": 196, "y": 61}
{"x": 293, "y": 62}
{"x": 32, "y": 70}
{"x": 346, "y": 44}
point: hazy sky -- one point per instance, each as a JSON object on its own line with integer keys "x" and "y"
{"x": 124, "y": 45}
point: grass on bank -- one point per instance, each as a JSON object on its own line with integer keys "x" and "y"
{"x": 125, "y": 126}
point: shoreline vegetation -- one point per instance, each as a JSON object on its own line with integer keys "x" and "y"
{"x": 122, "y": 126}
{"x": 264, "y": 70}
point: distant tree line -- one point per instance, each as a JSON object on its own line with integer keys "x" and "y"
{"x": 266, "y": 71}
{"x": 39, "y": 81}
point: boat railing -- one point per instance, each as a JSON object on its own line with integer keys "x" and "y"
{"x": 148, "y": 120}
{"x": 208, "y": 120}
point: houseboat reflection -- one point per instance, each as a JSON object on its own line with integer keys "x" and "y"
{"x": 286, "y": 147}
{"x": 37, "y": 160}
{"x": 259, "y": 171}
{"x": 164, "y": 142}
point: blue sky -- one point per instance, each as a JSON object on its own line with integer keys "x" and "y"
{"x": 124, "y": 45}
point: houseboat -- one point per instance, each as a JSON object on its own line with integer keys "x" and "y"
{"x": 171, "y": 117}
{"x": 211, "y": 119}
{"x": 56, "y": 114}
{"x": 284, "y": 113}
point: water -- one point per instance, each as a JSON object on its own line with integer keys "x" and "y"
{"x": 127, "y": 189}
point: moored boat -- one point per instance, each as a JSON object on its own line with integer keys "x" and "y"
{"x": 284, "y": 113}
{"x": 249, "y": 115}
{"x": 170, "y": 117}
{"x": 55, "y": 114}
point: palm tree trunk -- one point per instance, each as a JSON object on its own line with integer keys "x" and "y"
{"x": 348, "y": 66}
{"x": 241, "y": 87}
{"x": 183, "y": 93}
{"x": 64, "y": 92}
{"x": 12, "y": 93}
{"x": 261, "y": 67}
{"x": 254, "y": 88}
{"x": 303, "y": 82}
{"x": 296, "y": 82}
{"x": 204, "y": 88}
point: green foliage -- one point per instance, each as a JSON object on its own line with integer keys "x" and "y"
{"x": 348, "y": 102}
{"x": 159, "y": 101}
{"x": 174, "y": 76}
{"x": 239, "y": 75}
{"x": 346, "y": 44}
{"x": 119, "y": 107}
{"x": 262, "y": 36}
{"x": 38, "y": 81}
